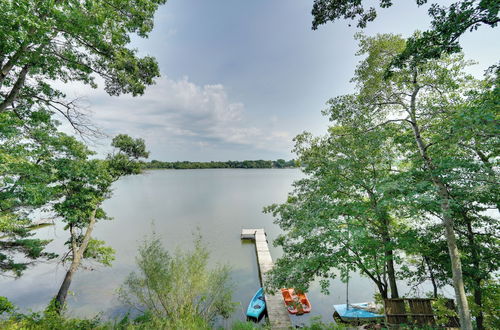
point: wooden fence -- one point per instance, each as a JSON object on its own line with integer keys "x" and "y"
{"x": 415, "y": 311}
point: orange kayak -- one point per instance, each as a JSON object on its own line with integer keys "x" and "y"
{"x": 296, "y": 302}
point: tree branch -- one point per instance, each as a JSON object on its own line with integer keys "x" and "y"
{"x": 11, "y": 97}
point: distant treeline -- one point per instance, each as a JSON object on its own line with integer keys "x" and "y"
{"x": 280, "y": 163}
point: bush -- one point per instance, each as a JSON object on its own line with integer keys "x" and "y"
{"x": 5, "y": 305}
{"x": 178, "y": 290}
{"x": 315, "y": 323}
{"x": 48, "y": 320}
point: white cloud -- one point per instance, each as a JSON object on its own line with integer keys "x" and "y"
{"x": 178, "y": 114}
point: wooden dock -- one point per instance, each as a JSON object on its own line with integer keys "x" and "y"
{"x": 276, "y": 310}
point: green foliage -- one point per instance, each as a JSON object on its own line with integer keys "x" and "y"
{"x": 6, "y": 306}
{"x": 406, "y": 154}
{"x": 446, "y": 150}
{"x": 130, "y": 150}
{"x": 73, "y": 41}
{"x": 178, "y": 288}
{"x": 248, "y": 325}
{"x": 49, "y": 320}
{"x": 331, "y": 10}
{"x": 442, "y": 312}
{"x": 489, "y": 308}
{"x": 31, "y": 150}
{"x": 315, "y": 323}
{"x": 448, "y": 24}
{"x": 133, "y": 148}
{"x": 343, "y": 215}
{"x": 280, "y": 163}
{"x": 83, "y": 185}
{"x": 98, "y": 252}
{"x": 44, "y": 42}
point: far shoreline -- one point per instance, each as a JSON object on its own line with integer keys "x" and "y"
{"x": 230, "y": 164}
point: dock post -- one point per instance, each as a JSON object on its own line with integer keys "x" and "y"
{"x": 276, "y": 310}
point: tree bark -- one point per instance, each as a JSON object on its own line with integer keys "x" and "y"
{"x": 382, "y": 290}
{"x": 478, "y": 299}
{"x": 391, "y": 273}
{"x": 11, "y": 97}
{"x": 433, "y": 280}
{"x": 383, "y": 218}
{"x": 456, "y": 266}
{"x": 60, "y": 299}
{"x": 477, "y": 278}
{"x": 5, "y": 69}
{"x": 389, "y": 257}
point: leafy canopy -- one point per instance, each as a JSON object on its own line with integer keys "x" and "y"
{"x": 447, "y": 24}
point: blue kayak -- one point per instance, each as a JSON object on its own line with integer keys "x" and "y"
{"x": 257, "y": 305}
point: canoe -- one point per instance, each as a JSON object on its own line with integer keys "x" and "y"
{"x": 356, "y": 313}
{"x": 257, "y": 304}
{"x": 296, "y": 302}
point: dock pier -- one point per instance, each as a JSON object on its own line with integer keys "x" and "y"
{"x": 276, "y": 310}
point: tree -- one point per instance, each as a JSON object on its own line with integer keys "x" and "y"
{"x": 178, "y": 290}
{"x": 342, "y": 216}
{"x": 30, "y": 146}
{"x": 84, "y": 184}
{"x": 72, "y": 41}
{"x": 42, "y": 42}
{"x": 464, "y": 144}
{"x": 280, "y": 163}
{"x": 421, "y": 100}
{"x": 448, "y": 23}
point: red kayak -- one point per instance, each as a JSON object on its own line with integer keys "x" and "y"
{"x": 296, "y": 302}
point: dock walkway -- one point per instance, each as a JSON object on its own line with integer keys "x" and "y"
{"x": 276, "y": 311}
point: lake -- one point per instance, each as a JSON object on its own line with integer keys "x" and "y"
{"x": 175, "y": 203}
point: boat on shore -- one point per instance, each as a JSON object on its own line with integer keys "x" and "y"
{"x": 359, "y": 313}
{"x": 296, "y": 302}
{"x": 257, "y": 305}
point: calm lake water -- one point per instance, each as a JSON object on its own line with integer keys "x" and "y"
{"x": 174, "y": 203}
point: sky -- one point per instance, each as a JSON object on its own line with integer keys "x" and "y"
{"x": 241, "y": 78}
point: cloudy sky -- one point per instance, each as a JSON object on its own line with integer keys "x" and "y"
{"x": 241, "y": 78}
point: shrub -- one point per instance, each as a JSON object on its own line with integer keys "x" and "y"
{"x": 178, "y": 289}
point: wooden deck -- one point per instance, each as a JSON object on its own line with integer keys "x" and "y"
{"x": 276, "y": 310}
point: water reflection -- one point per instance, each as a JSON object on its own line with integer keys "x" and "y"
{"x": 174, "y": 204}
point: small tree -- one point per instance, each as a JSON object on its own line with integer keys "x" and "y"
{"x": 178, "y": 288}
{"x": 342, "y": 216}
{"x": 30, "y": 147}
{"x": 83, "y": 185}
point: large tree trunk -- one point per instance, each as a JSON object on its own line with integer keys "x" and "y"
{"x": 382, "y": 289}
{"x": 384, "y": 220}
{"x": 476, "y": 262}
{"x": 13, "y": 60}
{"x": 11, "y": 97}
{"x": 478, "y": 299}
{"x": 456, "y": 266}
{"x": 78, "y": 252}
{"x": 389, "y": 255}
{"x": 63, "y": 290}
